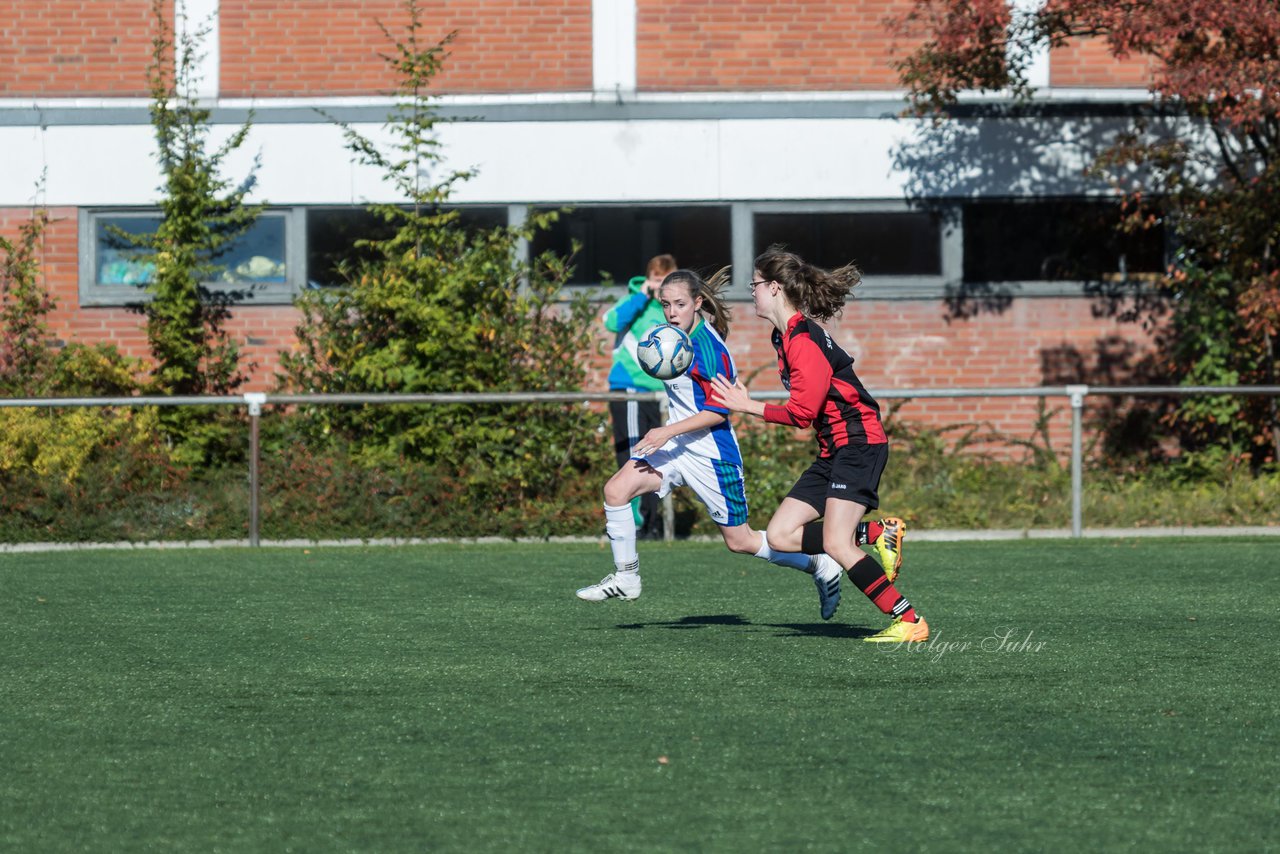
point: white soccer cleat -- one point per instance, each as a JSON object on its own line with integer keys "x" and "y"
{"x": 615, "y": 585}
{"x": 826, "y": 577}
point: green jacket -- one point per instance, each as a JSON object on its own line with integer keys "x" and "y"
{"x": 631, "y": 317}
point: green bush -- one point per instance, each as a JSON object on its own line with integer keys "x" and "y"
{"x": 124, "y": 489}
{"x": 534, "y": 486}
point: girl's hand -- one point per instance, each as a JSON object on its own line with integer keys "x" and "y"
{"x": 735, "y": 397}
{"x": 652, "y": 441}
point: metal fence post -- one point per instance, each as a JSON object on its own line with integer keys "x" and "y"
{"x": 1077, "y": 394}
{"x": 255, "y": 401}
{"x": 668, "y": 503}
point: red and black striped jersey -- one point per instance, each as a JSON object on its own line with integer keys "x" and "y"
{"x": 825, "y": 392}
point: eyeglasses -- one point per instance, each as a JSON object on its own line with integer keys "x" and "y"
{"x": 761, "y": 282}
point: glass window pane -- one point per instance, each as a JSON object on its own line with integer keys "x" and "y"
{"x": 332, "y": 234}
{"x": 258, "y": 255}
{"x": 117, "y": 261}
{"x": 482, "y": 219}
{"x": 617, "y": 242}
{"x": 331, "y": 240}
{"x": 907, "y": 243}
{"x": 1054, "y": 240}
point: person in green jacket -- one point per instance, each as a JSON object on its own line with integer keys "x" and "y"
{"x": 630, "y": 319}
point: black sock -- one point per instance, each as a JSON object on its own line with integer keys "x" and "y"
{"x": 811, "y": 537}
{"x": 868, "y": 576}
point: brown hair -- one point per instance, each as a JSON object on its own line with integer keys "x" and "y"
{"x": 713, "y": 304}
{"x": 660, "y": 265}
{"x": 818, "y": 293}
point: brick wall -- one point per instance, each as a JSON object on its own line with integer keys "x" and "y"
{"x": 1087, "y": 63}
{"x": 299, "y": 47}
{"x": 294, "y": 47}
{"x": 807, "y": 44}
{"x": 82, "y": 48}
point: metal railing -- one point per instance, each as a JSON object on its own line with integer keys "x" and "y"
{"x": 255, "y": 401}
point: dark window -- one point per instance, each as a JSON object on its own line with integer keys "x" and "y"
{"x": 332, "y": 234}
{"x": 331, "y": 239}
{"x": 904, "y": 243}
{"x": 1054, "y": 240}
{"x": 617, "y": 242}
{"x": 258, "y": 255}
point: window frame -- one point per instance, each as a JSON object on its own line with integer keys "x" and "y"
{"x": 511, "y": 215}
{"x": 1048, "y": 287}
{"x": 742, "y": 240}
{"x": 271, "y": 293}
{"x": 872, "y": 287}
{"x": 520, "y": 213}
{"x": 741, "y": 235}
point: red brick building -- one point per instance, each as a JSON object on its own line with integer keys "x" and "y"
{"x": 705, "y": 128}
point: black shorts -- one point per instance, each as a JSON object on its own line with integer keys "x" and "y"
{"x": 851, "y": 474}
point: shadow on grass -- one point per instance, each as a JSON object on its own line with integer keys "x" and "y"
{"x": 825, "y": 630}
{"x": 821, "y": 630}
{"x": 694, "y": 622}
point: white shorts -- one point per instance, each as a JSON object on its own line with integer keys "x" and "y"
{"x": 718, "y": 485}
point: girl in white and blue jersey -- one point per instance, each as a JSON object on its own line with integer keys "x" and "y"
{"x": 697, "y": 448}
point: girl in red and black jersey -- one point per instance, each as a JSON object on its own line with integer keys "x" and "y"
{"x": 827, "y": 395}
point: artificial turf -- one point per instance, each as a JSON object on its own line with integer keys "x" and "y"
{"x": 1117, "y": 695}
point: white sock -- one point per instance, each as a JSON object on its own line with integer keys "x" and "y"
{"x": 620, "y": 525}
{"x": 825, "y": 567}
{"x": 795, "y": 560}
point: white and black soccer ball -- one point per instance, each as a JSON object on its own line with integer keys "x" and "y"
{"x": 665, "y": 353}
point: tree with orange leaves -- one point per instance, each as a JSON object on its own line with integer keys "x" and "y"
{"x": 1206, "y": 148}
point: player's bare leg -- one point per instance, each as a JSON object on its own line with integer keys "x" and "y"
{"x": 635, "y": 478}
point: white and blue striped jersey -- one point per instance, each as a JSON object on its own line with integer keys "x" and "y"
{"x": 692, "y": 392}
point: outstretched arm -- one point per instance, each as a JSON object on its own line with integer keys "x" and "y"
{"x": 659, "y": 436}
{"x": 735, "y": 397}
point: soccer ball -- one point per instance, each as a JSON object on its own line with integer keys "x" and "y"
{"x": 665, "y": 353}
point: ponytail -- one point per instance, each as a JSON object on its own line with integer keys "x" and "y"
{"x": 816, "y": 292}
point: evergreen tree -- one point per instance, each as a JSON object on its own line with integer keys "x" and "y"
{"x": 440, "y": 307}
{"x": 202, "y": 214}
{"x": 25, "y": 351}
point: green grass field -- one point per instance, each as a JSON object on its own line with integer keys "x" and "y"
{"x": 458, "y": 698}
